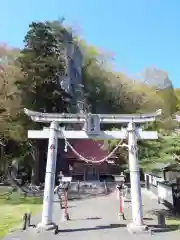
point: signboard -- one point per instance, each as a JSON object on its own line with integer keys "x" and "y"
{"x": 119, "y": 178}
{"x": 66, "y": 179}
{"x": 93, "y": 124}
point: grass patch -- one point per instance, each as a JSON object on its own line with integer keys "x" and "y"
{"x": 173, "y": 222}
{"x": 12, "y": 210}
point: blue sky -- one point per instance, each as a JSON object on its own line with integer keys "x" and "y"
{"x": 141, "y": 33}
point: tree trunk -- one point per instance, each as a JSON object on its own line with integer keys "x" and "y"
{"x": 2, "y": 164}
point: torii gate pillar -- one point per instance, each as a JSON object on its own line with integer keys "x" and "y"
{"x": 46, "y": 221}
{"x": 137, "y": 214}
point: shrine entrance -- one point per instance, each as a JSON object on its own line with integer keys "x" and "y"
{"x": 91, "y": 173}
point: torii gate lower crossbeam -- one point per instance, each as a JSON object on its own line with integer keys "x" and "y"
{"x": 53, "y": 133}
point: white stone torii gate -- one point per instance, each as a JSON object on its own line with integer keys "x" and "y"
{"x": 92, "y": 130}
{"x": 177, "y": 118}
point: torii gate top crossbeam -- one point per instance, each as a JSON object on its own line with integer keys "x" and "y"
{"x": 81, "y": 118}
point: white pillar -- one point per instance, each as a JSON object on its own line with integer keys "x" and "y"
{"x": 50, "y": 176}
{"x": 135, "y": 177}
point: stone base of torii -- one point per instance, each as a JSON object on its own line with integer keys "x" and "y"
{"x": 92, "y": 130}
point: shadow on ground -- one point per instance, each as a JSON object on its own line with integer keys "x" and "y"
{"x": 159, "y": 229}
{"x": 148, "y": 218}
{"x": 169, "y": 215}
{"x": 88, "y": 218}
{"x": 93, "y": 218}
{"x": 111, "y": 226}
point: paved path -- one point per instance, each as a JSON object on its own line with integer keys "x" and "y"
{"x": 96, "y": 219}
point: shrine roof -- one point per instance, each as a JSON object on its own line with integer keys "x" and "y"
{"x": 89, "y": 149}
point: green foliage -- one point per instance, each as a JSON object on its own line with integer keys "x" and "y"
{"x": 30, "y": 79}
{"x": 42, "y": 64}
{"x": 9, "y": 101}
{"x": 153, "y": 154}
{"x": 150, "y": 153}
{"x": 177, "y": 92}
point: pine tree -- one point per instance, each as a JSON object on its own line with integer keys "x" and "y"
{"x": 42, "y": 64}
{"x": 154, "y": 155}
